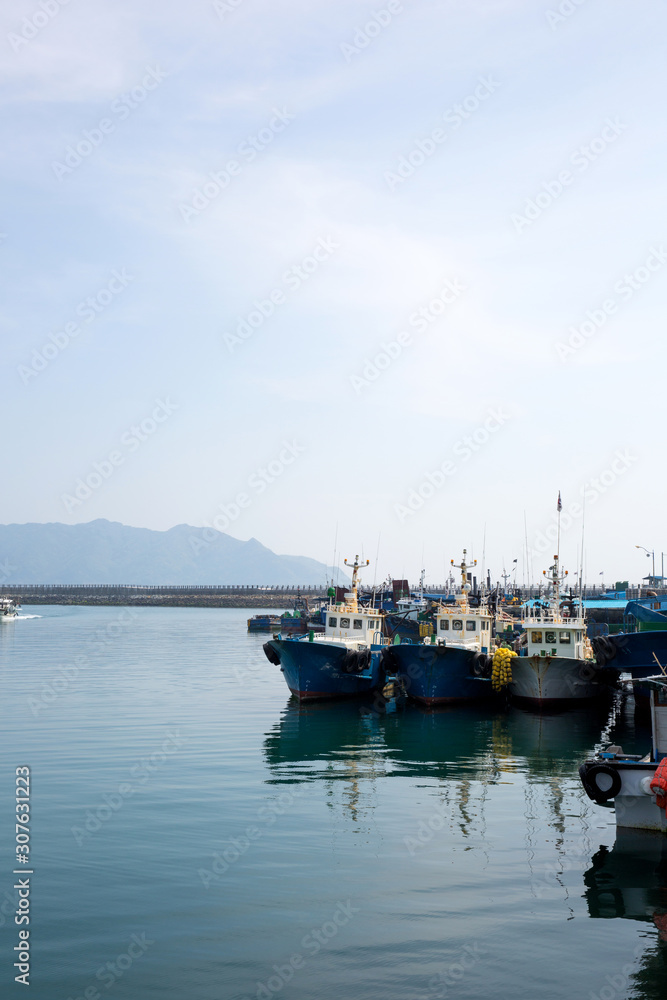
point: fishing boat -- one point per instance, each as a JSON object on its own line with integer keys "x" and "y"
{"x": 640, "y": 648}
{"x": 263, "y": 623}
{"x": 555, "y": 665}
{"x": 454, "y": 664}
{"x": 9, "y": 611}
{"x": 342, "y": 662}
{"x": 412, "y": 616}
{"x": 636, "y": 783}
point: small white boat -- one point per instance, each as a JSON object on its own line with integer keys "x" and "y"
{"x": 9, "y": 611}
{"x": 638, "y": 785}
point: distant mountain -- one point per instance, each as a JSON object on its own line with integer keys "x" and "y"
{"x": 108, "y": 552}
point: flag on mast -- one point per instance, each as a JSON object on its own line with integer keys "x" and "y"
{"x": 559, "y": 505}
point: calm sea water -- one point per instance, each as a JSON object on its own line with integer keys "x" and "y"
{"x": 198, "y": 836}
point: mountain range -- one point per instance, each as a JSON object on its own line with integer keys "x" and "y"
{"x": 104, "y": 551}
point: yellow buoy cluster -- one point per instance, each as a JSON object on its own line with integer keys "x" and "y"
{"x": 501, "y": 673}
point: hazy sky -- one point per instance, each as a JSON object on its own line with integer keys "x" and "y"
{"x": 393, "y": 269}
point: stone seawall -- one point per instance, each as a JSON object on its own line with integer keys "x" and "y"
{"x": 266, "y": 599}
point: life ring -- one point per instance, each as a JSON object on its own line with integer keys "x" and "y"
{"x": 589, "y": 774}
{"x": 271, "y": 654}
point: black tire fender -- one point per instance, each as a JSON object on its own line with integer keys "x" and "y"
{"x": 599, "y": 650}
{"x": 589, "y": 772}
{"x": 271, "y": 654}
{"x": 363, "y": 660}
{"x": 348, "y": 663}
{"x": 609, "y": 647}
{"x": 480, "y": 664}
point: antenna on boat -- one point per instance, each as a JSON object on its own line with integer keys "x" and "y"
{"x": 581, "y": 567}
{"x": 333, "y": 566}
{"x": 483, "y": 561}
{"x": 375, "y": 568}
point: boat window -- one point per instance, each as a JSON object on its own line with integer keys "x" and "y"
{"x": 345, "y": 623}
{"x": 471, "y": 625}
{"x": 485, "y": 626}
{"x": 566, "y": 637}
{"x": 333, "y": 622}
{"x": 357, "y": 623}
{"x": 578, "y": 636}
{"x": 457, "y": 624}
{"x": 444, "y": 624}
{"x": 536, "y": 637}
{"x": 549, "y": 636}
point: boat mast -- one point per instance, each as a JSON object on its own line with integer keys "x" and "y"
{"x": 355, "y": 579}
{"x": 465, "y": 586}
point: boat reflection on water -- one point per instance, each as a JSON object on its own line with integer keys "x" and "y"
{"x": 629, "y": 882}
{"x": 466, "y": 749}
{"x": 465, "y": 741}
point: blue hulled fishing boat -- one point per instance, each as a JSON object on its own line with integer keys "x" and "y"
{"x": 642, "y": 648}
{"x": 345, "y": 661}
{"x": 454, "y": 664}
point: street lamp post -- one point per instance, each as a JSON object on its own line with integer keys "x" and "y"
{"x": 649, "y": 553}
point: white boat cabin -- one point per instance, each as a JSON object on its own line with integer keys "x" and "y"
{"x": 462, "y": 625}
{"x": 349, "y": 624}
{"x": 553, "y": 629}
{"x": 547, "y": 638}
{"x": 344, "y": 622}
{"x": 459, "y": 624}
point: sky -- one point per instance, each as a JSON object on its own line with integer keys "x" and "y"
{"x": 377, "y": 278}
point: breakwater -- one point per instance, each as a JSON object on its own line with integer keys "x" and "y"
{"x": 184, "y": 597}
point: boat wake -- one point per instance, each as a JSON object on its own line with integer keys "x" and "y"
{"x": 22, "y": 617}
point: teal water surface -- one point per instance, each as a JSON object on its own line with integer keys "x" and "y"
{"x": 196, "y": 834}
